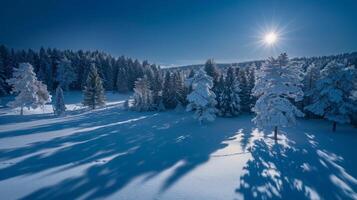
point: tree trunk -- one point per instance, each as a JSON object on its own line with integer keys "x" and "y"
{"x": 334, "y": 127}
{"x": 276, "y": 133}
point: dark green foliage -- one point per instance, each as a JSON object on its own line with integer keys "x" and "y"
{"x": 229, "y": 101}
{"x": 93, "y": 90}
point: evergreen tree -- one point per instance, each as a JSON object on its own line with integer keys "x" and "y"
{"x": 309, "y": 84}
{"x": 168, "y": 93}
{"x": 93, "y": 90}
{"x": 143, "y": 100}
{"x": 202, "y": 99}
{"x": 211, "y": 70}
{"x": 219, "y": 94}
{"x": 276, "y": 84}
{"x": 65, "y": 74}
{"x": 230, "y": 101}
{"x": 250, "y": 74}
{"x": 122, "y": 81}
{"x": 3, "y": 84}
{"x": 59, "y": 107}
{"x": 178, "y": 89}
{"x": 31, "y": 93}
{"x": 331, "y": 96}
{"x": 156, "y": 88}
{"x": 190, "y": 75}
{"x": 45, "y": 68}
{"x": 245, "y": 92}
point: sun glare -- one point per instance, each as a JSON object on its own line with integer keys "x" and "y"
{"x": 270, "y": 38}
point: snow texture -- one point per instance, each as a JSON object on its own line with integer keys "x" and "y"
{"x": 112, "y": 153}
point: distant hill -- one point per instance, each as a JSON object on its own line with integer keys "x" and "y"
{"x": 350, "y": 57}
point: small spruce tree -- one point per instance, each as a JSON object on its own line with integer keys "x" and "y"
{"x": 202, "y": 100}
{"x": 59, "y": 107}
{"x": 93, "y": 89}
{"x": 143, "y": 99}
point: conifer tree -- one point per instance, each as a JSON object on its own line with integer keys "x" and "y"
{"x": 277, "y": 83}
{"x": 122, "y": 81}
{"x": 244, "y": 93}
{"x": 309, "y": 84}
{"x": 59, "y": 106}
{"x": 211, "y": 70}
{"x": 93, "y": 89}
{"x": 179, "y": 89}
{"x": 202, "y": 99}
{"x": 143, "y": 100}
{"x": 331, "y": 96}
{"x": 168, "y": 92}
{"x": 230, "y": 101}
{"x": 65, "y": 74}
{"x": 219, "y": 94}
{"x": 3, "y": 85}
{"x": 31, "y": 93}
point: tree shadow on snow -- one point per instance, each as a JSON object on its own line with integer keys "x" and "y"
{"x": 299, "y": 167}
{"x": 120, "y": 146}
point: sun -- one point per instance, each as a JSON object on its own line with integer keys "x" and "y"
{"x": 270, "y": 38}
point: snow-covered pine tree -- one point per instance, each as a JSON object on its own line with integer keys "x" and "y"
{"x": 179, "y": 89}
{"x": 93, "y": 89}
{"x": 277, "y": 83}
{"x": 309, "y": 83}
{"x": 45, "y": 70}
{"x": 59, "y": 106}
{"x": 331, "y": 96}
{"x": 122, "y": 81}
{"x": 190, "y": 75}
{"x": 168, "y": 92}
{"x": 156, "y": 87}
{"x": 219, "y": 94}
{"x": 229, "y": 98}
{"x": 245, "y": 91}
{"x": 354, "y": 98}
{"x": 3, "y": 85}
{"x": 251, "y": 83}
{"x": 31, "y": 93}
{"x": 43, "y": 96}
{"x": 211, "y": 70}
{"x": 65, "y": 74}
{"x": 202, "y": 99}
{"x": 143, "y": 100}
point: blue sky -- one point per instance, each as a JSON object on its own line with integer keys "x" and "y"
{"x": 182, "y": 32}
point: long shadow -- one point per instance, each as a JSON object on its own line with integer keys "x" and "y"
{"x": 127, "y": 145}
{"x": 292, "y": 169}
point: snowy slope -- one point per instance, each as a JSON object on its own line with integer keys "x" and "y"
{"x": 115, "y": 154}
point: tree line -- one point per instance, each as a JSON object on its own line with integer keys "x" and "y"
{"x": 70, "y": 68}
{"x": 276, "y": 90}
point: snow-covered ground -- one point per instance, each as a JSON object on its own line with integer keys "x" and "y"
{"x": 117, "y": 154}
